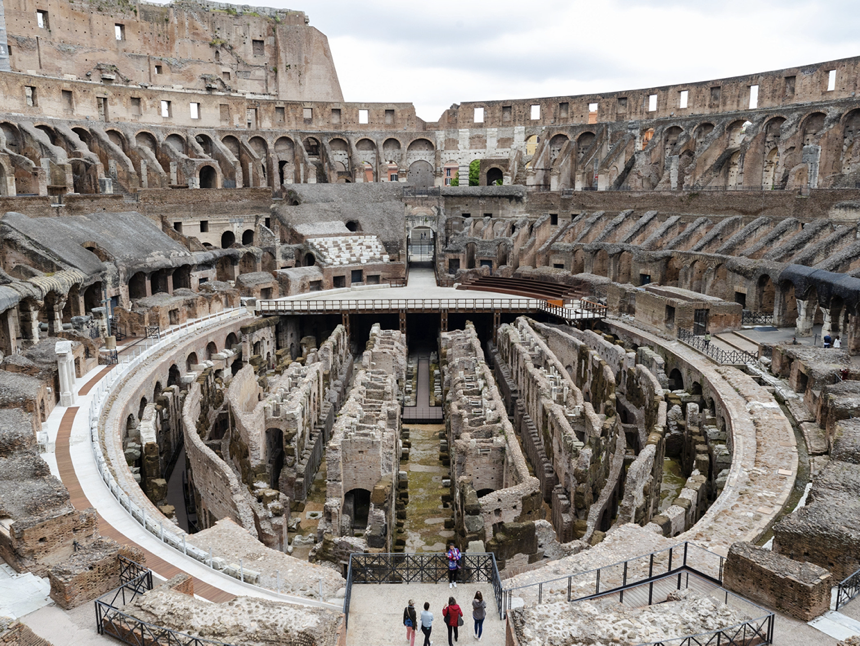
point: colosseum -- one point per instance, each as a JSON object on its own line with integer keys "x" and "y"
{"x": 267, "y": 358}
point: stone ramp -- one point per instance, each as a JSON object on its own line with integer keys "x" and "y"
{"x": 376, "y": 613}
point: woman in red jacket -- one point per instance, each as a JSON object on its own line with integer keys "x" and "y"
{"x": 452, "y": 614}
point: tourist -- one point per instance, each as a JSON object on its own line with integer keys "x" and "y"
{"x": 453, "y": 555}
{"x": 707, "y": 341}
{"x": 827, "y": 340}
{"x": 453, "y": 618}
{"x": 410, "y": 620}
{"x": 427, "y": 623}
{"x": 837, "y": 343}
{"x": 479, "y": 613}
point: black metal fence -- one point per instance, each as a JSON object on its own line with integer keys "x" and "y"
{"x": 420, "y": 568}
{"x": 848, "y": 589}
{"x": 756, "y": 318}
{"x": 110, "y": 620}
{"x": 730, "y": 357}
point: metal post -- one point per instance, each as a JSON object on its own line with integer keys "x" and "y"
{"x": 597, "y": 588}
{"x": 686, "y": 545}
{"x": 624, "y": 582}
{"x": 651, "y": 566}
{"x": 569, "y": 580}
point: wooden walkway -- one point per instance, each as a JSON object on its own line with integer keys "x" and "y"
{"x": 80, "y": 501}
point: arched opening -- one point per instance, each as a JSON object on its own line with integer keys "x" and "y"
{"x": 495, "y": 177}
{"x": 257, "y": 347}
{"x": 141, "y": 407}
{"x": 356, "y": 504}
{"x": 182, "y": 277}
{"x": 676, "y": 380}
{"x": 211, "y": 350}
{"x": 231, "y": 342}
{"x": 157, "y": 390}
{"x": 173, "y": 376}
{"x": 137, "y": 286}
{"x": 647, "y": 136}
{"x": 420, "y": 174}
{"x": 93, "y": 297}
{"x": 312, "y": 147}
{"x": 248, "y": 237}
{"x": 248, "y": 264}
{"x": 766, "y": 294}
{"x": 158, "y": 281}
{"x": 310, "y": 260}
{"x": 268, "y": 262}
{"x": 228, "y": 239}
{"x": 191, "y": 361}
{"x": 208, "y": 177}
{"x": 673, "y": 271}
{"x": 177, "y": 142}
{"x": 625, "y": 267}
{"x": 601, "y": 263}
{"x": 353, "y": 225}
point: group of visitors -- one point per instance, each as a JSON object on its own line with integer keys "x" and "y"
{"x": 452, "y": 614}
{"x": 832, "y": 342}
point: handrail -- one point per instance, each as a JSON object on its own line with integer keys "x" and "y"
{"x": 166, "y": 535}
{"x": 848, "y": 589}
{"x": 728, "y": 357}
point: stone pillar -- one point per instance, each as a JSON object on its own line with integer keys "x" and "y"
{"x": 811, "y": 156}
{"x": 99, "y": 315}
{"x": 4, "y": 46}
{"x": 30, "y": 325}
{"x": 805, "y": 318}
{"x": 55, "y": 320}
{"x": 825, "y": 325}
{"x": 66, "y": 365}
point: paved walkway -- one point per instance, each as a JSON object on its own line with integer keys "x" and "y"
{"x": 376, "y": 613}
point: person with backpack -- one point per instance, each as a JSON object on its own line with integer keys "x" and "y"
{"x": 479, "y": 613}
{"x": 454, "y": 556}
{"x": 410, "y": 620}
{"x": 453, "y": 616}
{"x": 427, "y": 623}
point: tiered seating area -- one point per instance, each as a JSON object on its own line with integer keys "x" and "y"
{"x": 523, "y": 287}
{"x": 348, "y": 250}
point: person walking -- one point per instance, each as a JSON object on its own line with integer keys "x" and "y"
{"x": 707, "y": 341}
{"x": 479, "y": 613}
{"x": 837, "y": 343}
{"x": 427, "y": 623}
{"x": 454, "y": 556}
{"x": 453, "y": 619}
{"x": 410, "y": 620}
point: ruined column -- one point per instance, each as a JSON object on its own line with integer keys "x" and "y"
{"x": 4, "y": 45}
{"x": 805, "y": 318}
{"x": 30, "y": 324}
{"x": 66, "y": 365}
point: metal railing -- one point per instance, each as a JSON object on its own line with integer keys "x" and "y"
{"x": 728, "y": 357}
{"x": 848, "y": 589}
{"x": 387, "y": 305}
{"x": 624, "y": 574}
{"x": 586, "y": 310}
{"x": 420, "y": 568}
{"x": 110, "y": 620}
{"x": 756, "y": 318}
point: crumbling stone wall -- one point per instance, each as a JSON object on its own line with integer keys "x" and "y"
{"x": 486, "y": 458}
{"x": 364, "y": 452}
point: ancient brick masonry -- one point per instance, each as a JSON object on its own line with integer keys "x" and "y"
{"x": 363, "y": 455}
{"x": 495, "y": 498}
{"x": 801, "y": 590}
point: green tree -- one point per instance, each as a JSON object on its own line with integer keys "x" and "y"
{"x": 474, "y": 174}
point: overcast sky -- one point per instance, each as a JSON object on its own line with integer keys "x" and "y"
{"x": 437, "y": 53}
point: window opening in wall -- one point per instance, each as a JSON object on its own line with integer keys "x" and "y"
{"x": 789, "y": 86}
{"x": 592, "y": 113}
{"x": 670, "y": 316}
{"x": 753, "y": 97}
{"x": 478, "y": 116}
{"x": 389, "y": 117}
{"x": 102, "y": 104}
{"x": 268, "y": 223}
{"x": 831, "y": 80}
{"x": 135, "y": 106}
{"x": 453, "y": 265}
{"x": 558, "y": 265}
{"x": 165, "y": 108}
{"x": 30, "y": 95}
{"x": 364, "y": 116}
{"x": 195, "y": 110}
{"x": 225, "y": 113}
{"x": 507, "y": 112}
{"x": 258, "y": 47}
{"x": 683, "y": 98}
{"x": 217, "y": 55}
{"x": 553, "y": 219}
{"x": 251, "y": 118}
{"x": 564, "y": 110}
{"x": 644, "y": 279}
{"x": 488, "y": 215}
{"x": 357, "y": 276}
{"x": 42, "y": 20}
{"x": 592, "y": 107}
{"x": 652, "y": 103}
{"x": 119, "y": 31}
{"x": 741, "y": 299}
{"x": 715, "y": 97}
{"x": 177, "y": 226}
{"x": 225, "y": 76}
{"x": 465, "y": 215}
{"x": 68, "y": 103}
{"x": 622, "y": 104}
{"x": 335, "y": 114}
{"x": 308, "y": 114}
{"x": 280, "y": 114}
{"x": 339, "y": 281}
{"x": 158, "y": 69}
{"x": 204, "y": 226}
{"x": 535, "y": 112}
